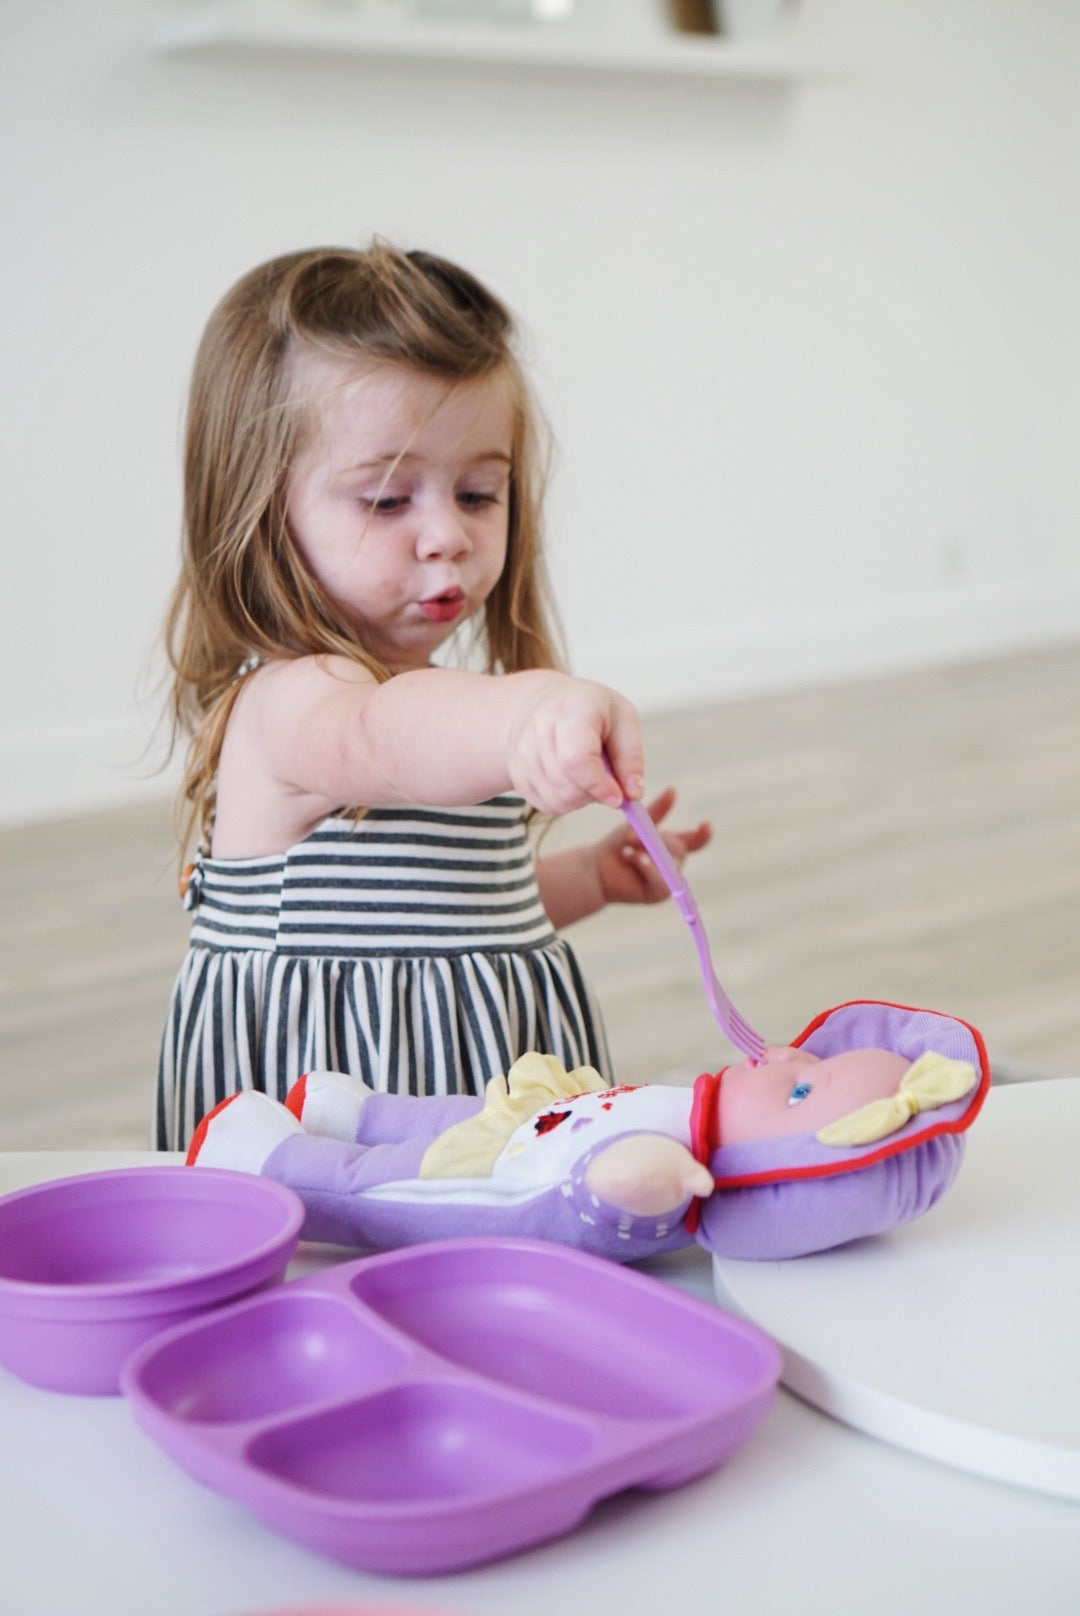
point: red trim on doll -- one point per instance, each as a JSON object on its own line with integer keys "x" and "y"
{"x": 198, "y": 1138}
{"x": 888, "y": 1147}
{"x": 704, "y": 1133}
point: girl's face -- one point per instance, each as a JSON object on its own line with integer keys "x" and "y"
{"x": 399, "y": 503}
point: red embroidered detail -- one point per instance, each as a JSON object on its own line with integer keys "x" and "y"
{"x": 624, "y": 1088}
{"x": 548, "y": 1121}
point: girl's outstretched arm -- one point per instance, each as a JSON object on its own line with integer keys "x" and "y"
{"x": 317, "y": 733}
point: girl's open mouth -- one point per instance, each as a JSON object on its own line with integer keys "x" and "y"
{"x": 445, "y": 607}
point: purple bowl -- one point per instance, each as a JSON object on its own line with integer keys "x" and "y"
{"x": 94, "y": 1266}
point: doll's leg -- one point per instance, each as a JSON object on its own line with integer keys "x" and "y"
{"x": 251, "y": 1133}
{"x": 241, "y": 1133}
{"x": 331, "y": 1105}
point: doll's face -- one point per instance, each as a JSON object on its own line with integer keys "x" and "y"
{"x": 792, "y": 1091}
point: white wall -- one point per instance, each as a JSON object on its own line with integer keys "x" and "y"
{"x": 811, "y": 353}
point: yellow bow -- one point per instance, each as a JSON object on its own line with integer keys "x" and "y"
{"x": 933, "y": 1080}
{"x": 469, "y": 1149}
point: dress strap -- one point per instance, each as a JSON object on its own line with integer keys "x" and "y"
{"x": 191, "y": 882}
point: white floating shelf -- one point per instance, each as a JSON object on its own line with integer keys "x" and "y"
{"x": 380, "y": 31}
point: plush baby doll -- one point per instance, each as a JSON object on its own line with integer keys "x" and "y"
{"x": 853, "y": 1129}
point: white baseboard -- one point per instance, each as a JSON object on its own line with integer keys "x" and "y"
{"x": 731, "y": 659}
{"x": 81, "y": 768}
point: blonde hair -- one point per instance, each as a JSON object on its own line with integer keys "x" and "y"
{"x": 244, "y": 590}
{"x": 933, "y": 1080}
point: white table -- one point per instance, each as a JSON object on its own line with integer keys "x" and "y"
{"x": 810, "y": 1516}
{"x": 959, "y": 1336}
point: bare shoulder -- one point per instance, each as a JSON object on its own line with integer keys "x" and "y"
{"x": 275, "y": 780}
{"x": 282, "y": 699}
{"x": 302, "y": 680}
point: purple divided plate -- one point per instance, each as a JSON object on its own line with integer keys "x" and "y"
{"x": 428, "y": 1409}
{"x": 91, "y": 1267}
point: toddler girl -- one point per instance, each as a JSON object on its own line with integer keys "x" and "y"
{"x": 362, "y": 480}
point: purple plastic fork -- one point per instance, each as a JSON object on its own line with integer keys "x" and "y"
{"x": 731, "y": 1023}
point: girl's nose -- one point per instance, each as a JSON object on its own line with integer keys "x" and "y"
{"x": 442, "y": 533}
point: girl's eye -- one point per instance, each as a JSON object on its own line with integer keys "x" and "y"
{"x": 473, "y": 499}
{"x": 799, "y": 1092}
{"x": 386, "y": 502}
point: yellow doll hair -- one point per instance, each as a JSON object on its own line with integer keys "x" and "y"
{"x": 469, "y": 1149}
{"x": 244, "y": 589}
{"x": 933, "y": 1080}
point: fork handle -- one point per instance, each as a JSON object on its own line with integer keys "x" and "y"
{"x": 724, "y": 1013}
{"x": 653, "y": 843}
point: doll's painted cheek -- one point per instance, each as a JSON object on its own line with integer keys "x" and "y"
{"x": 798, "y": 1093}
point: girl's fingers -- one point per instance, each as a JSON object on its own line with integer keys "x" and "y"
{"x": 682, "y": 843}
{"x": 583, "y": 766}
{"x": 694, "y": 840}
{"x": 662, "y": 805}
{"x": 625, "y": 751}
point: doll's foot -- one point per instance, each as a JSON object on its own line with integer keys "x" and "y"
{"x": 241, "y": 1133}
{"x": 328, "y": 1104}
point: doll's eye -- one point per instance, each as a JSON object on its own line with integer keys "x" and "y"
{"x": 799, "y": 1092}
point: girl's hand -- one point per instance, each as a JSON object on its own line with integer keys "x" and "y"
{"x": 556, "y": 745}
{"x": 626, "y": 873}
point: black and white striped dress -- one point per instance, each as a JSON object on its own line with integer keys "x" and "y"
{"x": 409, "y": 948}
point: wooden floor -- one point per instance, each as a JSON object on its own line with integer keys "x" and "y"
{"x": 915, "y": 838}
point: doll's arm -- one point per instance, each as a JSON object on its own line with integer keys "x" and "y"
{"x": 647, "y": 1174}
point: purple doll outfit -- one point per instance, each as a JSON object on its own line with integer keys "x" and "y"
{"x": 369, "y": 1193}
{"x": 774, "y": 1197}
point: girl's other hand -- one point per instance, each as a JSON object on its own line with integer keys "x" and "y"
{"x": 557, "y": 746}
{"x": 625, "y": 871}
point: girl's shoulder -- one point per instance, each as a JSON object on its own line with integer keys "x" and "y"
{"x": 275, "y": 775}
{"x": 281, "y": 691}
{"x": 312, "y": 671}
{"x": 285, "y": 702}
